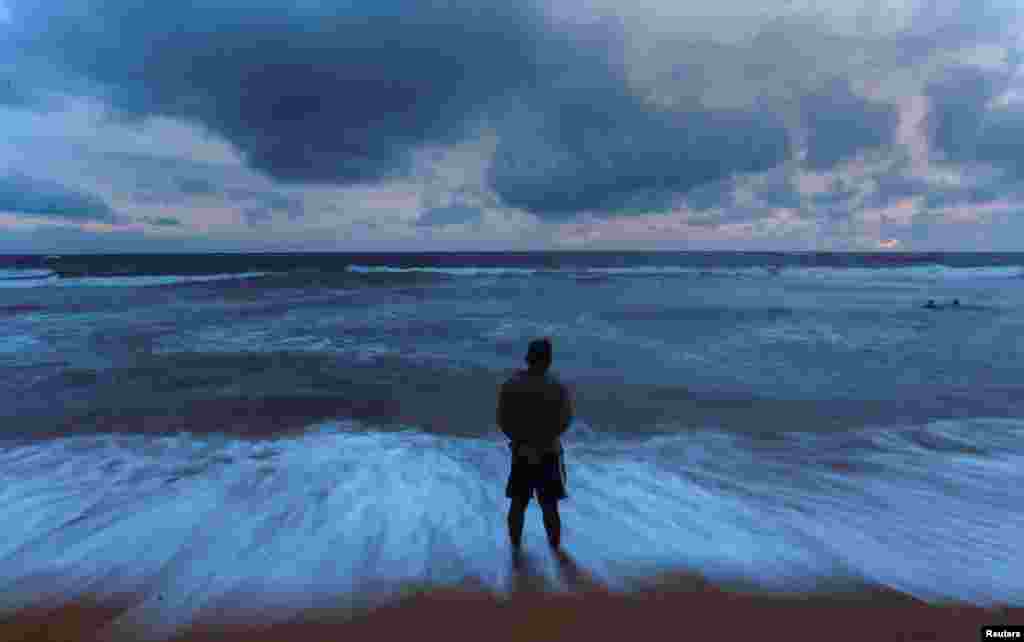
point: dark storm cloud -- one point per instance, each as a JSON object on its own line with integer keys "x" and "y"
{"x": 585, "y": 142}
{"x": 957, "y": 114}
{"x": 450, "y": 215}
{"x": 839, "y": 124}
{"x": 1001, "y": 141}
{"x": 21, "y": 194}
{"x": 629, "y": 157}
{"x": 963, "y": 125}
{"x": 313, "y": 94}
{"x": 342, "y": 94}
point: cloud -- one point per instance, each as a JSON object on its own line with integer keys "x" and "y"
{"x": 585, "y": 141}
{"x": 837, "y": 193}
{"x": 164, "y": 180}
{"x": 840, "y": 123}
{"x": 966, "y": 126}
{"x": 180, "y": 182}
{"x": 778, "y": 193}
{"x": 729, "y": 216}
{"x": 595, "y": 106}
{"x": 18, "y": 86}
{"x": 279, "y": 83}
{"x": 269, "y": 202}
{"x": 969, "y": 195}
{"x": 891, "y": 187}
{"x": 72, "y": 238}
{"x": 711, "y": 195}
{"x": 628, "y": 157}
{"x": 450, "y": 215}
{"x": 162, "y": 221}
{"x": 254, "y": 216}
{"x": 313, "y": 93}
{"x": 14, "y": 95}
{"x": 25, "y": 195}
{"x": 197, "y": 186}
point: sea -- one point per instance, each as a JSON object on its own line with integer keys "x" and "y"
{"x": 267, "y": 433}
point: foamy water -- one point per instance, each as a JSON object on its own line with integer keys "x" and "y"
{"x": 11, "y": 279}
{"x": 928, "y": 273}
{"x": 197, "y": 523}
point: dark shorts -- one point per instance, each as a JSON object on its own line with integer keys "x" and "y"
{"x": 546, "y": 479}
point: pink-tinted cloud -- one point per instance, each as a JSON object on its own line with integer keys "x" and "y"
{"x": 910, "y": 131}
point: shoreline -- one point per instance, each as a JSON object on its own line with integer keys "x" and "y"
{"x": 671, "y": 606}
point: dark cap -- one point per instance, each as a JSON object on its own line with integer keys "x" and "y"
{"x": 539, "y": 351}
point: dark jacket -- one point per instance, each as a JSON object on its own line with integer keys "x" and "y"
{"x": 533, "y": 412}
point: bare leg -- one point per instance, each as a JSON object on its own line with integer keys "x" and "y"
{"x": 552, "y": 522}
{"x": 516, "y": 517}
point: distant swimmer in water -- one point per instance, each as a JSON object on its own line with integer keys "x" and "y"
{"x": 956, "y": 302}
{"x": 931, "y": 304}
{"x": 534, "y": 410}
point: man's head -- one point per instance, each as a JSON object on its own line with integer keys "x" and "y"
{"x": 538, "y": 356}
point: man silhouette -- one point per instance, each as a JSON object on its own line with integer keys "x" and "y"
{"x": 534, "y": 409}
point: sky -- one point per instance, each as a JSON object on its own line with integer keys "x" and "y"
{"x": 441, "y": 125}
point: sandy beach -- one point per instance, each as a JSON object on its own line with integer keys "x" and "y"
{"x": 670, "y": 607}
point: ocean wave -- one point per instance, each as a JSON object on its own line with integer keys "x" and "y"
{"x": 51, "y": 279}
{"x": 193, "y": 521}
{"x": 928, "y": 272}
{"x": 453, "y": 271}
{"x": 581, "y": 273}
{"x": 577, "y": 272}
{"x": 17, "y": 343}
{"x": 26, "y": 278}
{"x": 17, "y": 274}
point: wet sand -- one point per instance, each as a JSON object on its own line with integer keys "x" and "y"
{"x": 671, "y": 607}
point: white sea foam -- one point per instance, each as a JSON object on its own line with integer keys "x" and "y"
{"x": 201, "y": 522}
{"x": 46, "y": 278}
{"x": 914, "y": 273}
{"x": 795, "y": 330}
{"x": 455, "y": 271}
{"x": 16, "y": 343}
{"x": 26, "y": 278}
{"x": 16, "y": 273}
{"x": 143, "y": 281}
{"x": 20, "y": 278}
